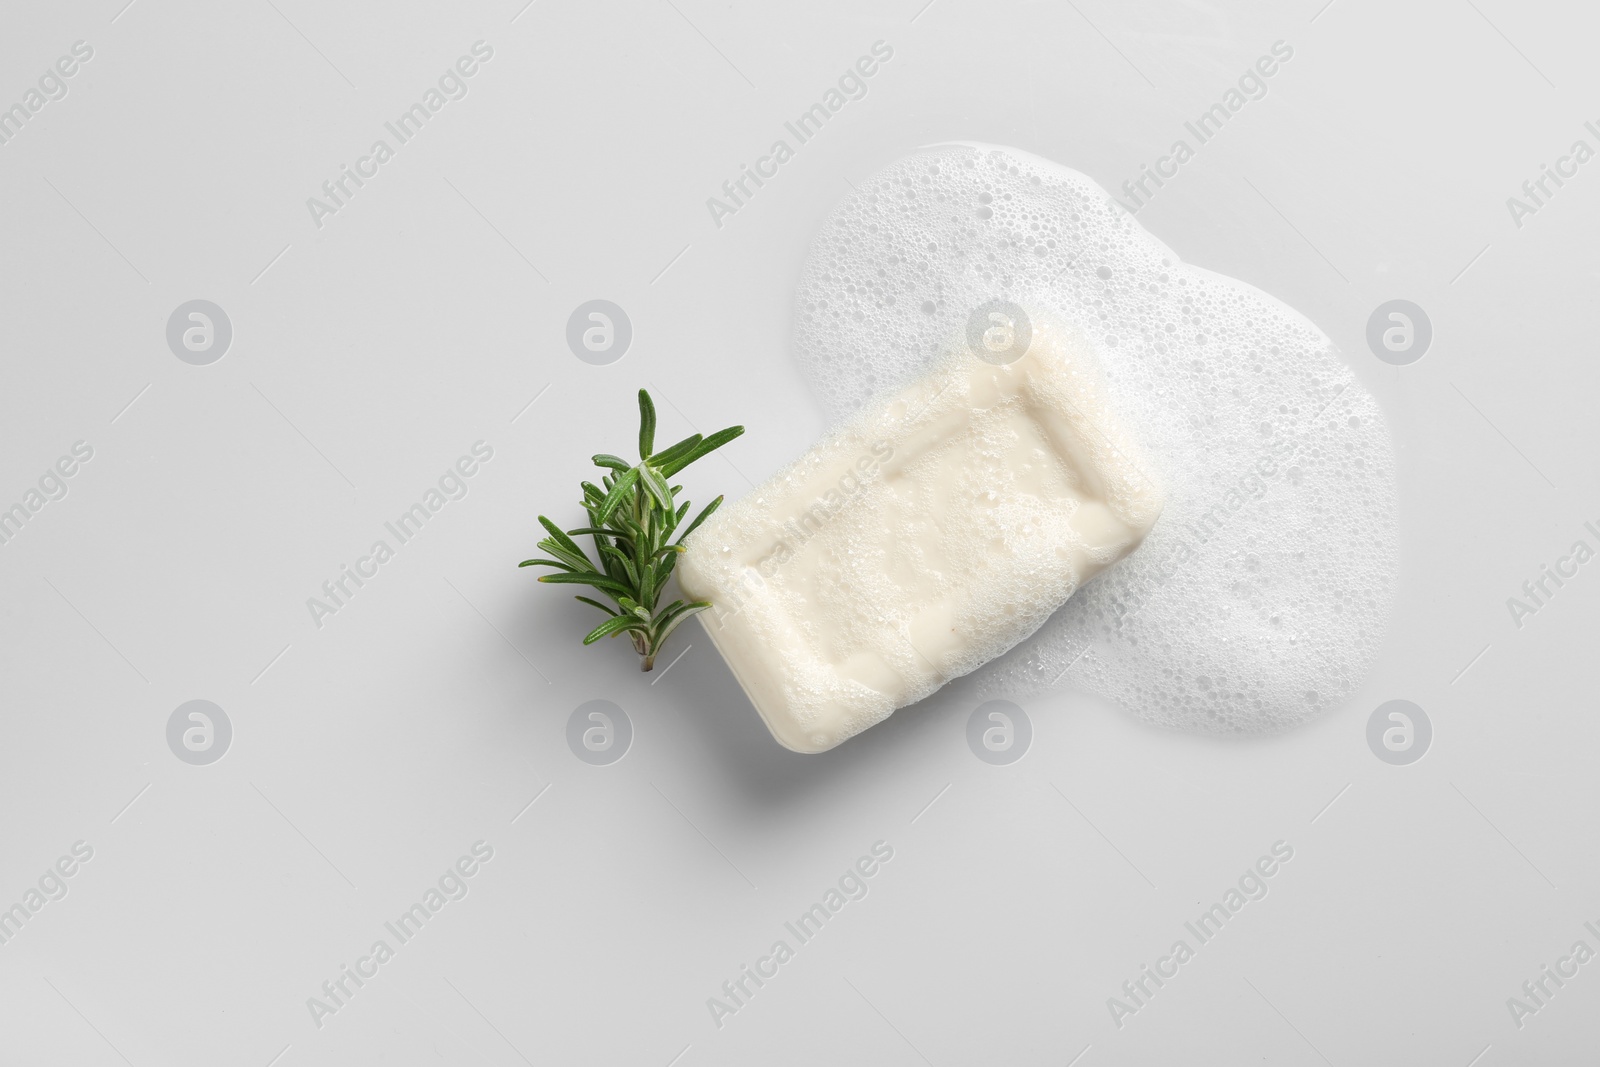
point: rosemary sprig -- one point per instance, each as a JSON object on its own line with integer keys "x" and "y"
{"x": 633, "y": 513}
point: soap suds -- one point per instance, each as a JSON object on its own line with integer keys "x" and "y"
{"x": 1261, "y": 595}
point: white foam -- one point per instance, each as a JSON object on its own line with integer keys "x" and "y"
{"x": 1261, "y": 595}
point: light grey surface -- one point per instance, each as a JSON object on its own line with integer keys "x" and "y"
{"x": 369, "y": 354}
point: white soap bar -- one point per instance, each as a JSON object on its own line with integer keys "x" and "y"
{"x": 933, "y": 532}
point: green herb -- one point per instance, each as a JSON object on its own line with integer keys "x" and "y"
{"x": 632, "y": 514}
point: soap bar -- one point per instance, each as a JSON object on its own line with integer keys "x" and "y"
{"x": 930, "y": 534}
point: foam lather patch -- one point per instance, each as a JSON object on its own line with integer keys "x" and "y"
{"x": 1262, "y": 593}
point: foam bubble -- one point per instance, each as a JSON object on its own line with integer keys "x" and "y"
{"x": 1260, "y": 597}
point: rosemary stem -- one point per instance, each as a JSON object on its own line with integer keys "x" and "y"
{"x": 632, "y": 518}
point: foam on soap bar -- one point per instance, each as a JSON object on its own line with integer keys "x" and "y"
{"x": 937, "y": 529}
{"x": 1263, "y": 595}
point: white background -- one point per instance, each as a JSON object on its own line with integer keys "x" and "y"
{"x": 370, "y": 353}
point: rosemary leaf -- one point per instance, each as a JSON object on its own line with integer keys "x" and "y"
{"x": 594, "y": 604}
{"x": 704, "y": 448}
{"x": 599, "y": 581}
{"x": 611, "y": 628}
{"x": 619, "y": 492}
{"x": 647, "y": 425}
{"x": 702, "y": 517}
